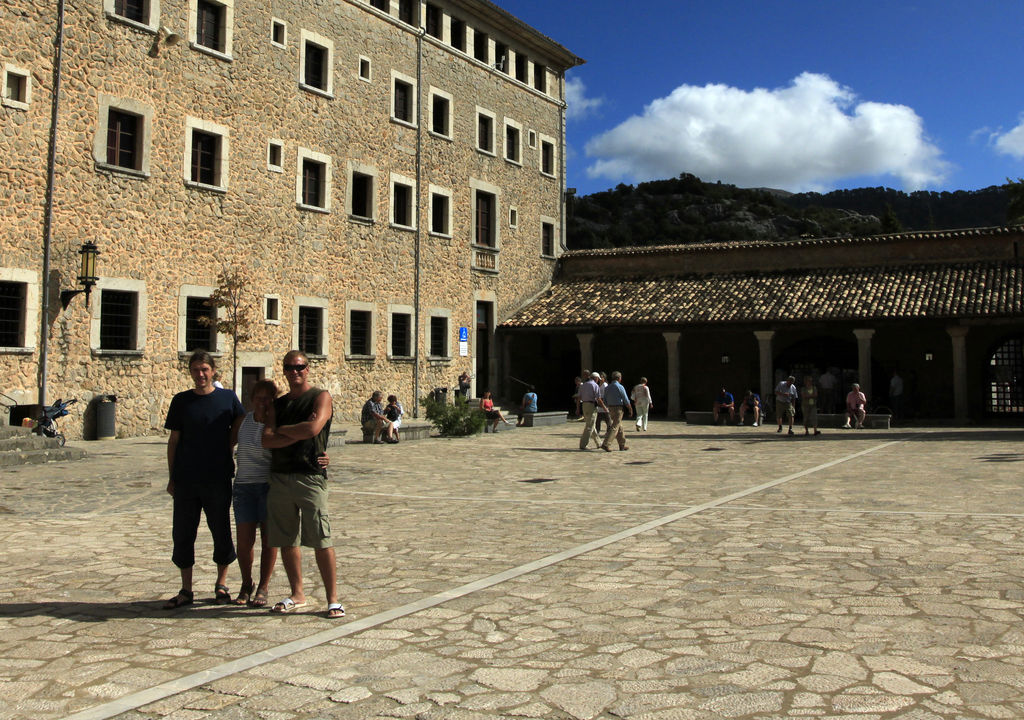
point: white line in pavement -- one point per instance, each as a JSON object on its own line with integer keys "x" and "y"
{"x": 522, "y": 500}
{"x": 188, "y": 682}
{"x": 855, "y": 511}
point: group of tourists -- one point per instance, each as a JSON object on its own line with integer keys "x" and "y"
{"x": 280, "y": 486}
{"x": 598, "y": 399}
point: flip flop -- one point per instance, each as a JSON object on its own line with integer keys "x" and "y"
{"x": 286, "y": 606}
{"x": 335, "y": 611}
{"x": 183, "y": 598}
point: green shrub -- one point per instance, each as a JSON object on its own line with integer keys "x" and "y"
{"x": 456, "y": 419}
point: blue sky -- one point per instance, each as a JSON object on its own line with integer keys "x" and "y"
{"x": 796, "y": 94}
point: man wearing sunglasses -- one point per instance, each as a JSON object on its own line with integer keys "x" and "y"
{"x": 297, "y": 514}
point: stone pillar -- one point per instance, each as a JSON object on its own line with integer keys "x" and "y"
{"x": 764, "y": 348}
{"x": 672, "y": 352}
{"x": 586, "y": 341}
{"x": 958, "y": 334}
{"x": 864, "y": 336}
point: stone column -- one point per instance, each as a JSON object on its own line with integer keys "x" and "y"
{"x": 958, "y": 334}
{"x": 864, "y": 336}
{"x": 586, "y": 341}
{"x": 764, "y": 348}
{"x": 672, "y": 352}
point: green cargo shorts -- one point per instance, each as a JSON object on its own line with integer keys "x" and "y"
{"x": 297, "y": 511}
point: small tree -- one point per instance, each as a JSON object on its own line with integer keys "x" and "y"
{"x": 235, "y": 296}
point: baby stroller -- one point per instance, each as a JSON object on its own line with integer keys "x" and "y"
{"x": 47, "y": 424}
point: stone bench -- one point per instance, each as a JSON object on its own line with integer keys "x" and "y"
{"x": 538, "y": 419}
{"x": 411, "y": 430}
{"x": 874, "y": 421}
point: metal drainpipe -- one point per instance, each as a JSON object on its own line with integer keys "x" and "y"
{"x": 419, "y": 223}
{"x": 51, "y": 161}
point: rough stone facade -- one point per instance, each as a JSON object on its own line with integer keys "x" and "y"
{"x": 252, "y": 126}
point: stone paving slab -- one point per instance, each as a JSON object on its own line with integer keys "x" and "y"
{"x": 882, "y": 577}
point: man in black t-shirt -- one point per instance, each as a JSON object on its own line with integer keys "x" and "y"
{"x": 204, "y": 427}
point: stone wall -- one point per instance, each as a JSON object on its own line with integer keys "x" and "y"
{"x": 157, "y": 232}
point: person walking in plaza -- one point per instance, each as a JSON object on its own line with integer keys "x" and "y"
{"x": 641, "y": 397}
{"x": 809, "y": 405}
{"x": 602, "y": 410}
{"x": 297, "y": 514}
{"x": 785, "y": 402}
{"x": 591, "y": 397}
{"x": 617, "y": 401}
{"x": 855, "y": 404}
{"x": 204, "y": 424}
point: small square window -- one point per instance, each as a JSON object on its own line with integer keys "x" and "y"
{"x": 275, "y": 156}
{"x": 122, "y": 142}
{"x": 513, "y": 217}
{"x": 364, "y": 69}
{"x": 136, "y": 10}
{"x": 272, "y": 309}
{"x": 17, "y": 84}
{"x": 438, "y": 336}
{"x": 532, "y": 137}
{"x": 316, "y": 63}
{"x": 278, "y": 33}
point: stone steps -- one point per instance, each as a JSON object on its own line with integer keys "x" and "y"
{"x": 21, "y": 446}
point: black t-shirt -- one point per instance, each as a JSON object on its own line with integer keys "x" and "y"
{"x": 204, "y": 452}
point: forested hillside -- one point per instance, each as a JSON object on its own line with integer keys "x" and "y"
{"x": 688, "y": 210}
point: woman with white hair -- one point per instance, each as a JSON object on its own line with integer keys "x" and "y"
{"x": 855, "y": 403}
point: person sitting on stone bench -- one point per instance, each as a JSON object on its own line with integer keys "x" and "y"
{"x": 724, "y": 401}
{"x": 855, "y": 404}
{"x": 491, "y": 412}
{"x": 528, "y": 405}
{"x": 751, "y": 402}
{"x": 372, "y": 418}
{"x": 393, "y": 412}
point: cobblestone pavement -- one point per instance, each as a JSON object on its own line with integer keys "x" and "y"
{"x": 705, "y": 573}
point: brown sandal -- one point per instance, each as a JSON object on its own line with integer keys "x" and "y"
{"x": 243, "y": 595}
{"x": 183, "y": 598}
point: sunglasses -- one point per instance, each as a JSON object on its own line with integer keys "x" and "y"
{"x": 296, "y": 368}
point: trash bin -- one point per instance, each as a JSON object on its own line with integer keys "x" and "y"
{"x": 106, "y": 406}
{"x": 439, "y": 394}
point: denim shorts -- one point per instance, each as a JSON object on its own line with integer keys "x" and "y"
{"x": 250, "y": 502}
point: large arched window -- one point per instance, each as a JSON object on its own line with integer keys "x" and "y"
{"x": 1006, "y": 377}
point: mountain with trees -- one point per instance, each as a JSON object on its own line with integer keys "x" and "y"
{"x": 687, "y": 210}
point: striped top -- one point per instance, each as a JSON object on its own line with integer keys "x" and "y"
{"x": 253, "y": 458}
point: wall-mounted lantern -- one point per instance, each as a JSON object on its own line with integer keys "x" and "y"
{"x": 928, "y": 357}
{"x": 86, "y": 275}
{"x": 725, "y": 359}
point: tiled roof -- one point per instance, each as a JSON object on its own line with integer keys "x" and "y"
{"x": 960, "y": 290}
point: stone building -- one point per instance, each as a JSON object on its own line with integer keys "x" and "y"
{"x": 943, "y": 309}
{"x": 390, "y": 174}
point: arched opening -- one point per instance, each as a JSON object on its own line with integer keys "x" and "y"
{"x": 1006, "y": 378}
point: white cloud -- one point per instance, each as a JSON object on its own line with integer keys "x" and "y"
{"x": 577, "y": 101}
{"x": 1012, "y": 142}
{"x": 804, "y": 136}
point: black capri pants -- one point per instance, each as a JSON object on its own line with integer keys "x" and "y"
{"x": 213, "y": 499}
